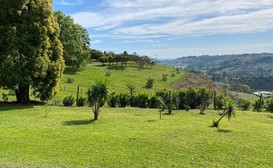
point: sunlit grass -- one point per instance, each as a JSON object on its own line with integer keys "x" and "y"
{"x": 131, "y": 137}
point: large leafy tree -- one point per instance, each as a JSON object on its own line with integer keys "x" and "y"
{"x": 75, "y": 40}
{"x": 31, "y": 52}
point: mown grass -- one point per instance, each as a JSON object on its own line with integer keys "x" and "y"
{"x": 119, "y": 79}
{"x": 130, "y": 137}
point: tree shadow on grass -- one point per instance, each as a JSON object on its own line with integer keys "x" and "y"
{"x": 270, "y": 116}
{"x": 78, "y": 122}
{"x": 6, "y": 106}
{"x": 223, "y": 130}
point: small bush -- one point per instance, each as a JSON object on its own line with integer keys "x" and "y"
{"x": 164, "y": 77}
{"x": 5, "y": 97}
{"x": 153, "y": 102}
{"x": 57, "y": 101}
{"x": 68, "y": 101}
{"x": 107, "y": 73}
{"x": 258, "y": 105}
{"x": 172, "y": 75}
{"x": 150, "y": 83}
{"x": 113, "y": 100}
{"x": 81, "y": 101}
{"x": 269, "y": 105}
{"x": 244, "y": 104}
{"x": 219, "y": 102}
{"x": 142, "y": 100}
{"x": 123, "y": 99}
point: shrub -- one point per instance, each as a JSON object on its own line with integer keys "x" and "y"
{"x": 123, "y": 99}
{"x": 150, "y": 83}
{"x": 153, "y": 102}
{"x": 192, "y": 98}
{"x": 107, "y": 73}
{"x": 244, "y": 104}
{"x": 181, "y": 98}
{"x": 5, "y": 97}
{"x": 258, "y": 105}
{"x": 164, "y": 77}
{"x": 142, "y": 100}
{"x": 219, "y": 102}
{"x": 269, "y": 105}
{"x": 113, "y": 100}
{"x": 81, "y": 101}
{"x": 68, "y": 101}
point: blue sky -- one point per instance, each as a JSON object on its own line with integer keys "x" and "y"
{"x": 172, "y": 29}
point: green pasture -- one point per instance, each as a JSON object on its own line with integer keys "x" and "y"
{"x": 46, "y": 136}
{"x": 119, "y": 79}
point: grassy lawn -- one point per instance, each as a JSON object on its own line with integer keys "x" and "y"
{"x": 129, "y": 137}
{"x": 118, "y": 79}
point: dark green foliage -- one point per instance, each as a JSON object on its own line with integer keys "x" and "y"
{"x": 141, "y": 100}
{"x": 108, "y": 73}
{"x": 31, "y": 52}
{"x": 243, "y": 72}
{"x": 258, "y": 105}
{"x": 5, "y": 97}
{"x": 75, "y": 41}
{"x": 149, "y": 83}
{"x": 269, "y": 105}
{"x": 219, "y": 102}
{"x": 153, "y": 102}
{"x": 181, "y": 98}
{"x": 192, "y": 98}
{"x": 164, "y": 77}
{"x": 113, "y": 100}
{"x": 244, "y": 104}
{"x": 97, "y": 96}
{"x": 68, "y": 100}
{"x": 81, "y": 101}
{"x": 205, "y": 96}
{"x": 123, "y": 99}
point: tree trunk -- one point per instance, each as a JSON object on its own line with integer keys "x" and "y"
{"x": 217, "y": 123}
{"x": 22, "y": 94}
{"x": 96, "y": 115}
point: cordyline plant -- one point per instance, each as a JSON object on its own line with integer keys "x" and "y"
{"x": 97, "y": 96}
{"x": 229, "y": 112}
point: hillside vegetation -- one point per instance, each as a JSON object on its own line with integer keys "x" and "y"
{"x": 255, "y": 70}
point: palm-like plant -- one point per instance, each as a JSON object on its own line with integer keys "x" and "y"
{"x": 97, "y": 96}
{"x": 229, "y": 112}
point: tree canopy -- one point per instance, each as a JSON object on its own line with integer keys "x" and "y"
{"x": 31, "y": 52}
{"x": 75, "y": 40}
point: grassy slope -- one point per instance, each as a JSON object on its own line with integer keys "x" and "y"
{"x": 132, "y": 138}
{"x": 119, "y": 79}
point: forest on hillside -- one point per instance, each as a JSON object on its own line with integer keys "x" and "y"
{"x": 254, "y": 70}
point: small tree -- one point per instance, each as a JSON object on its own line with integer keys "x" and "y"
{"x": 132, "y": 89}
{"x": 97, "y": 95}
{"x": 229, "y": 111}
{"x": 244, "y": 104}
{"x": 149, "y": 83}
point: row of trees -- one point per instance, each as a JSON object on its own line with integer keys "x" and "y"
{"x": 121, "y": 59}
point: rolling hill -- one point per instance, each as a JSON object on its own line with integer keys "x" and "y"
{"x": 255, "y": 70}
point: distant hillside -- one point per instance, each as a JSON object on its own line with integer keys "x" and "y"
{"x": 253, "y": 65}
{"x": 255, "y": 70}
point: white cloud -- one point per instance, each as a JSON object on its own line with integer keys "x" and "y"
{"x": 68, "y": 2}
{"x": 96, "y": 41}
{"x": 147, "y": 18}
